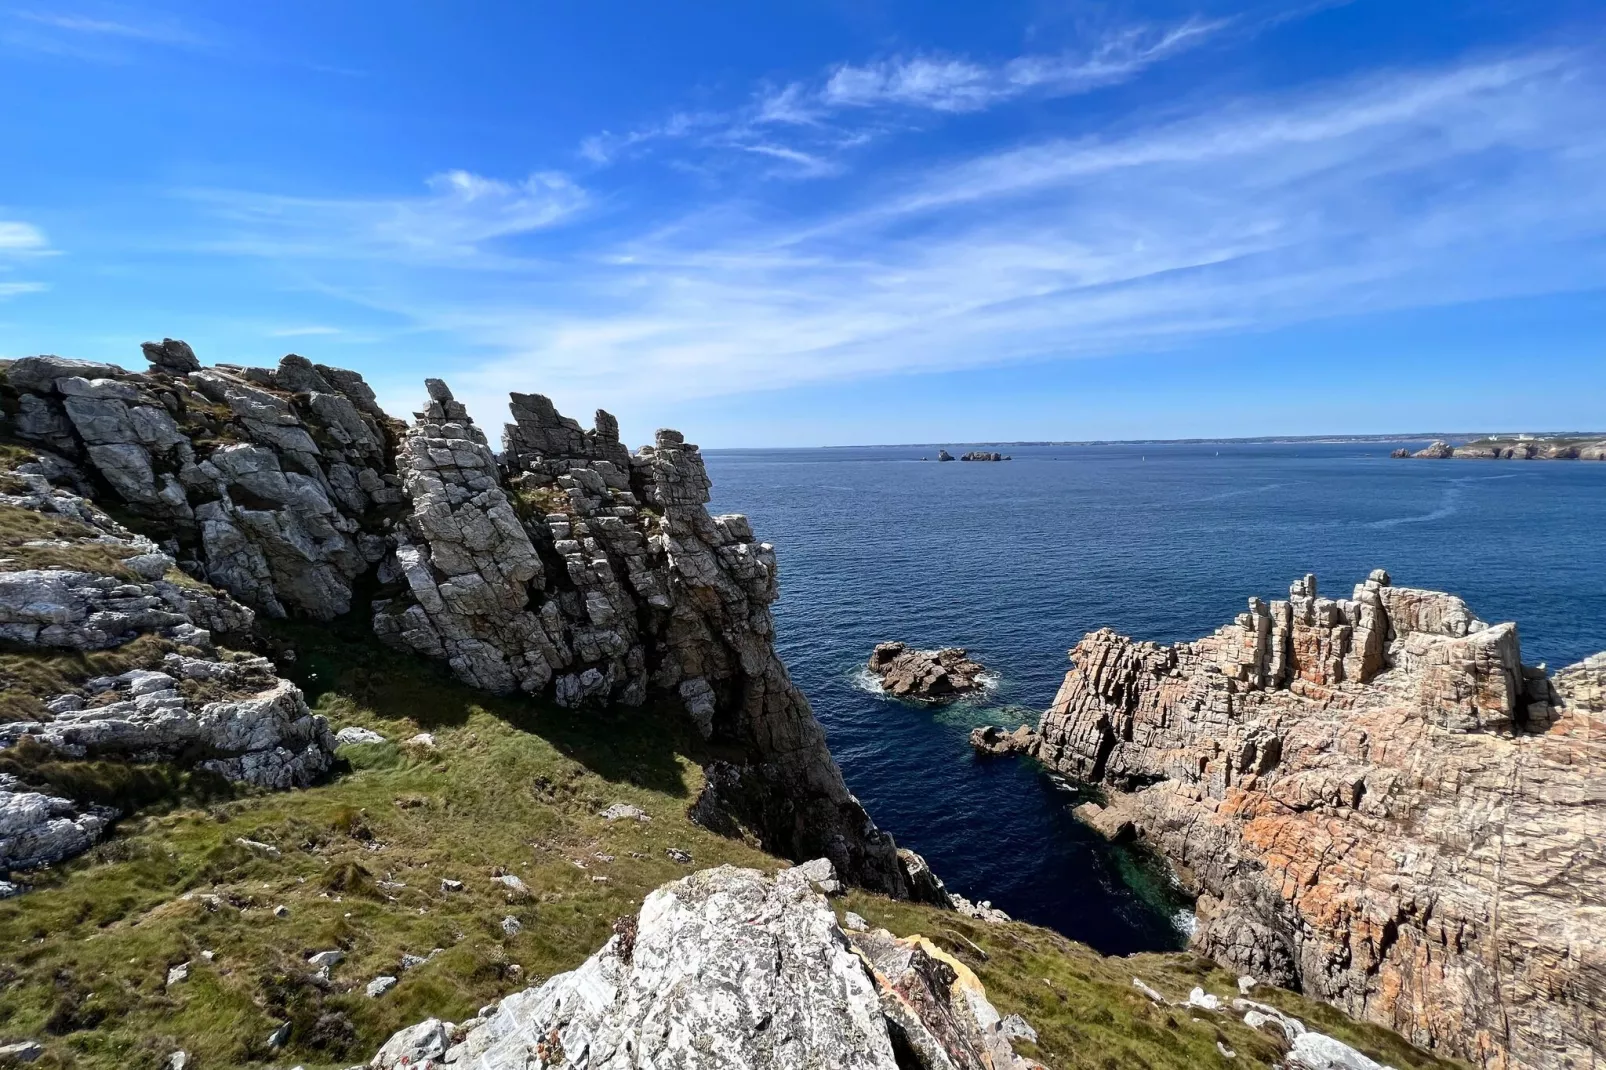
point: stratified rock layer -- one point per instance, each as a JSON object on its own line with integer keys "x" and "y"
{"x": 729, "y": 969}
{"x": 1377, "y": 803}
{"x": 596, "y": 576}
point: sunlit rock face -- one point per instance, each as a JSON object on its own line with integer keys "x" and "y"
{"x": 566, "y": 567}
{"x": 1376, "y": 802}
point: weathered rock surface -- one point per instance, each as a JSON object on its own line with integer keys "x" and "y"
{"x": 1376, "y": 802}
{"x": 272, "y": 484}
{"x": 263, "y": 735}
{"x": 925, "y": 675}
{"x": 990, "y": 739}
{"x": 596, "y": 576}
{"x": 1436, "y": 450}
{"x": 728, "y": 968}
{"x": 567, "y": 567}
{"x": 983, "y": 455}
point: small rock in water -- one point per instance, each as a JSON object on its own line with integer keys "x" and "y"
{"x": 380, "y": 985}
{"x": 925, "y": 675}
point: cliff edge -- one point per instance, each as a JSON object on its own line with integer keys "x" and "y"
{"x": 564, "y": 567}
{"x": 1377, "y": 804}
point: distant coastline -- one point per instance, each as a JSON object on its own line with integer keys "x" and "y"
{"x": 1422, "y": 436}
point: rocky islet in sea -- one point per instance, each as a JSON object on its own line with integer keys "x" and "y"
{"x": 933, "y": 676}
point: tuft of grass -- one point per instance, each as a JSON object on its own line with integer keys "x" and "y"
{"x": 29, "y": 676}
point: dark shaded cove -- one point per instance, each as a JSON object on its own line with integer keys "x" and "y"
{"x": 1016, "y": 560}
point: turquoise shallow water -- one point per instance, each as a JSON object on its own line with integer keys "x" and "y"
{"x": 1016, "y": 560}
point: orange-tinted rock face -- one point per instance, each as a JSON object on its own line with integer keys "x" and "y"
{"x": 1377, "y": 804}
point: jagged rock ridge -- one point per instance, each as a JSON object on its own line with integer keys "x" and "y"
{"x": 1377, "y": 803}
{"x": 567, "y": 567}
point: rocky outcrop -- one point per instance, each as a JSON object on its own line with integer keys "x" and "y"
{"x": 925, "y": 675}
{"x": 983, "y": 455}
{"x": 225, "y": 714}
{"x": 274, "y": 484}
{"x": 990, "y": 739}
{"x": 728, "y": 968}
{"x": 944, "y": 455}
{"x": 580, "y": 571}
{"x": 1376, "y": 802}
{"x": 567, "y": 567}
{"x": 1436, "y": 451}
{"x": 261, "y": 734}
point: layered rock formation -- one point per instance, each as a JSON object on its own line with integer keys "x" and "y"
{"x": 983, "y": 455}
{"x": 925, "y": 675}
{"x": 594, "y": 576}
{"x": 225, "y": 714}
{"x": 566, "y": 567}
{"x": 1377, "y": 803}
{"x": 728, "y": 968}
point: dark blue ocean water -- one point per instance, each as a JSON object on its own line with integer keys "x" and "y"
{"x": 1016, "y": 560}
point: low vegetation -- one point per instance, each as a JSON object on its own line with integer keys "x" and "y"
{"x": 395, "y": 863}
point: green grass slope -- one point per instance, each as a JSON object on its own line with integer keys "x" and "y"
{"x": 358, "y": 865}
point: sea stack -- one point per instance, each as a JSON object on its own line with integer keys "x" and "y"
{"x": 925, "y": 675}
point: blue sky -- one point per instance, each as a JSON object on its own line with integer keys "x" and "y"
{"x": 840, "y": 222}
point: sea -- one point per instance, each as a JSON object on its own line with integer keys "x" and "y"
{"x": 1016, "y": 560}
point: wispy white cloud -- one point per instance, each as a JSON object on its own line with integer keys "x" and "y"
{"x": 952, "y": 84}
{"x": 20, "y": 243}
{"x": 457, "y": 222}
{"x": 164, "y": 32}
{"x": 16, "y": 237}
{"x": 1392, "y": 189}
{"x": 102, "y": 35}
{"x": 842, "y": 109}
